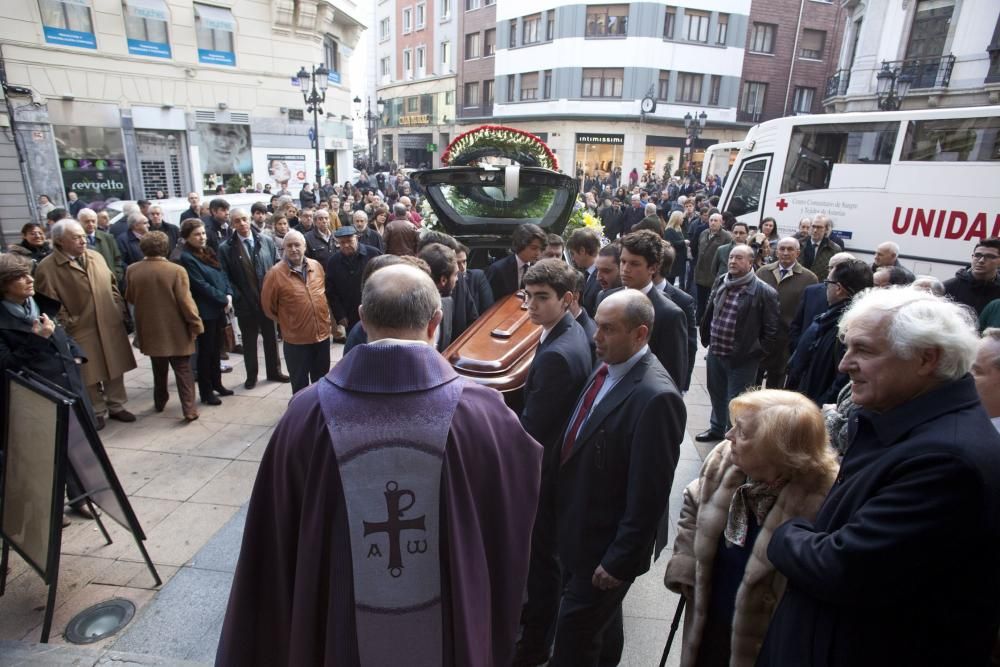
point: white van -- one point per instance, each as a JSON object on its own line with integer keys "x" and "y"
{"x": 925, "y": 179}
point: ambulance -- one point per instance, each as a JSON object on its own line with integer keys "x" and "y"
{"x": 929, "y": 180}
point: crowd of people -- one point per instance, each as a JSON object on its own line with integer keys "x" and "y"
{"x": 851, "y": 406}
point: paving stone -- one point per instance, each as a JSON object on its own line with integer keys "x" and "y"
{"x": 229, "y": 441}
{"x": 221, "y": 552}
{"x": 232, "y": 486}
{"x": 180, "y": 477}
{"x": 179, "y": 537}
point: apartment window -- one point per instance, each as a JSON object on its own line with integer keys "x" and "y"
{"x": 762, "y": 37}
{"x": 663, "y": 86}
{"x": 471, "y": 96}
{"x": 412, "y": 104}
{"x": 445, "y": 55}
{"x": 146, "y": 29}
{"x": 444, "y": 9}
{"x": 530, "y": 27}
{"x": 214, "y": 28}
{"x": 449, "y": 97}
{"x": 407, "y": 20}
{"x": 490, "y": 42}
{"x": 696, "y": 25}
{"x": 752, "y": 99}
{"x": 811, "y": 44}
{"x": 383, "y": 29}
{"x": 547, "y": 85}
{"x": 723, "y": 30}
{"x": 550, "y": 26}
{"x": 421, "y": 15}
{"x": 529, "y": 86}
{"x": 331, "y": 58}
{"x": 669, "y": 23}
{"x": 421, "y": 60}
{"x": 688, "y": 87}
{"x": 385, "y": 67}
{"x": 512, "y": 32}
{"x": 469, "y": 6}
{"x": 472, "y": 46}
{"x": 714, "y": 90}
{"x": 602, "y": 82}
{"x": 407, "y": 63}
{"x": 607, "y": 20}
{"x": 68, "y": 23}
{"x": 803, "y": 101}
{"x": 488, "y": 93}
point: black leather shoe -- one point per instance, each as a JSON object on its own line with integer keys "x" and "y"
{"x": 211, "y": 400}
{"x": 100, "y": 423}
{"x": 222, "y": 391}
{"x": 280, "y": 377}
{"x": 250, "y": 383}
{"x": 122, "y": 416}
{"x": 708, "y": 436}
{"x": 530, "y": 657}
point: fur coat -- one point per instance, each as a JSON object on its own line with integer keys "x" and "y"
{"x": 703, "y": 518}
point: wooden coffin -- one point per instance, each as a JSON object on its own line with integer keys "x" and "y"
{"x": 497, "y": 350}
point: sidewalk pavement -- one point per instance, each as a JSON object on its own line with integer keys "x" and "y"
{"x": 189, "y": 484}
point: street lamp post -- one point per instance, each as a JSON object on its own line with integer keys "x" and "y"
{"x": 693, "y": 125}
{"x": 892, "y": 85}
{"x": 313, "y": 86}
{"x": 371, "y": 125}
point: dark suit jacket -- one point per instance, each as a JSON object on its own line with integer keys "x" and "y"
{"x": 615, "y": 485}
{"x": 128, "y": 247}
{"x": 464, "y": 306}
{"x": 686, "y": 303}
{"x": 479, "y": 287}
{"x": 343, "y": 283}
{"x": 502, "y": 276}
{"x": 561, "y": 365}
{"x": 246, "y": 294}
{"x": 590, "y": 290}
{"x": 172, "y": 231}
{"x": 812, "y": 305}
{"x": 216, "y": 235}
{"x": 854, "y": 595}
{"x": 589, "y": 328}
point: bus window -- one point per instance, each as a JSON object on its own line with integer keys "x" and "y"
{"x": 813, "y": 150}
{"x": 953, "y": 140}
{"x": 746, "y": 194}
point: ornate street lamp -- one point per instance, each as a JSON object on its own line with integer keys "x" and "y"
{"x": 371, "y": 119}
{"x": 313, "y": 85}
{"x": 891, "y": 86}
{"x": 693, "y": 125}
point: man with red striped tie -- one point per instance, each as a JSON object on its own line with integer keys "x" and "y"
{"x": 617, "y": 460}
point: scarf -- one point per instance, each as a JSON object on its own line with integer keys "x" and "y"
{"x": 730, "y": 283}
{"x": 756, "y": 497}
{"x": 205, "y": 255}
{"x": 18, "y": 311}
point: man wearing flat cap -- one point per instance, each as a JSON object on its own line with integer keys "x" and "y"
{"x": 343, "y": 276}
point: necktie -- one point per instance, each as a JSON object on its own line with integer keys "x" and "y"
{"x": 246, "y": 242}
{"x": 79, "y": 260}
{"x": 784, "y": 272}
{"x": 588, "y": 403}
{"x": 90, "y": 241}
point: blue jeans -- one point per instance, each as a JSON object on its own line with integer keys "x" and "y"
{"x": 726, "y": 381}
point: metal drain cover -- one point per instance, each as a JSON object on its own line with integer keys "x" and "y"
{"x": 102, "y": 620}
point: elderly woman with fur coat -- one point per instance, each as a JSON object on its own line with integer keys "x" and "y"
{"x": 776, "y": 464}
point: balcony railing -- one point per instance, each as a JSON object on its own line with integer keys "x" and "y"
{"x": 926, "y": 72}
{"x": 837, "y": 84}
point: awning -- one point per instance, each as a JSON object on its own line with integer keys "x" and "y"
{"x": 216, "y": 18}
{"x": 148, "y": 9}
{"x": 80, "y": 3}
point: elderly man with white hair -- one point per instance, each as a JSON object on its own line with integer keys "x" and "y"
{"x": 986, "y": 371}
{"x": 887, "y": 256}
{"x": 900, "y": 565}
{"x": 92, "y": 311}
{"x": 128, "y": 242}
{"x": 102, "y": 242}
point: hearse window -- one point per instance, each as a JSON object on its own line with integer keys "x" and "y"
{"x": 953, "y": 140}
{"x": 814, "y": 149}
{"x": 746, "y": 194}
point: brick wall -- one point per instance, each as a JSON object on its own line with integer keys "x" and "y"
{"x": 478, "y": 69}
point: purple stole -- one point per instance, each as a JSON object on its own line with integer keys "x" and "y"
{"x": 388, "y": 411}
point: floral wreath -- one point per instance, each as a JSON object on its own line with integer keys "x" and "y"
{"x": 497, "y": 140}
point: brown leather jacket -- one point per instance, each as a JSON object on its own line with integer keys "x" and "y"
{"x": 297, "y": 305}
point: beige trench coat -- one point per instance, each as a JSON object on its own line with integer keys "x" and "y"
{"x": 166, "y": 318}
{"x": 91, "y": 312}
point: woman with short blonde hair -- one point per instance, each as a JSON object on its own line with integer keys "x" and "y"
{"x": 775, "y": 465}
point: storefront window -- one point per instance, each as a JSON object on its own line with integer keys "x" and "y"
{"x": 225, "y": 154}
{"x": 92, "y": 161}
{"x": 597, "y": 155}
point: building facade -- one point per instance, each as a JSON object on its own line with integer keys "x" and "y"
{"x": 416, "y": 52}
{"x": 948, "y": 50}
{"x": 792, "y": 48}
{"x": 126, "y": 98}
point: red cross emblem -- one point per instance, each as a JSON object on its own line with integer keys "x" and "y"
{"x": 782, "y": 204}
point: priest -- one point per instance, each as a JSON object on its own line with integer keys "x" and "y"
{"x": 391, "y": 518}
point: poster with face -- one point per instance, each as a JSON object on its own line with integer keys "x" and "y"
{"x": 225, "y": 152}
{"x": 282, "y": 170}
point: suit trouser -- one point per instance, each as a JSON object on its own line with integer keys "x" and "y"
{"x": 590, "y": 630}
{"x": 544, "y": 578}
{"x": 306, "y": 363}
{"x": 775, "y": 366}
{"x": 726, "y": 381}
{"x": 182, "y": 375}
{"x": 209, "y": 346}
{"x": 108, "y": 395}
{"x": 701, "y": 300}
{"x": 250, "y": 327}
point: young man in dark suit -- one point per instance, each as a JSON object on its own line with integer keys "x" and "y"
{"x": 616, "y": 465}
{"x": 475, "y": 280}
{"x": 685, "y": 302}
{"x": 561, "y": 365}
{"x": 582, "y": 317}
{"x": 505, "y": 275}
{"x": 583, "y": 246}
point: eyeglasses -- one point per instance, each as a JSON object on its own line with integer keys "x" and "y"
{"x": 842, "y": 285}
{"x": 980, "y": 257}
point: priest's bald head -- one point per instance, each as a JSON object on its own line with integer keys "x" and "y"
{"x": 400, "y": 301}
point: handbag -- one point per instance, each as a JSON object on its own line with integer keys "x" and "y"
{"x": 228, "y": 335}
